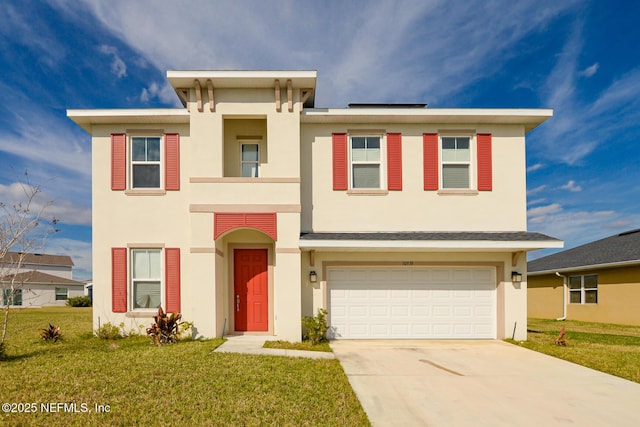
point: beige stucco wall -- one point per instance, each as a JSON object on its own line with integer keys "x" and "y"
{"x": 511, "y": 298}
{"x": 413, "y": 209}
{"x": 618, "y": 294}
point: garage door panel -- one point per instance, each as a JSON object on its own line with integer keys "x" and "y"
{"x": 412, "y": 303}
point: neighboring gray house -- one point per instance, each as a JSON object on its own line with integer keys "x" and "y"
{"x": 41, "y": 280}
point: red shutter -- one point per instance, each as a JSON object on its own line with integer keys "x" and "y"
{"x": 172, "y": 161}
{"x": 118, "y": 161}
{"x": 340, "y": 166}
{"x": 119, "y": 280}
{"x": 172, "y": 279}
{"x": 485, "y": 174}
{"x": 430, "y": 160}
{"x": 394, "y": 161}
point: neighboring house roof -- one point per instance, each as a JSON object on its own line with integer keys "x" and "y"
{"x": 38, "y": 259}
{"x": 515, "y": 240}
{"x": 40, "y": 278}
{"x": 618, "y": 250}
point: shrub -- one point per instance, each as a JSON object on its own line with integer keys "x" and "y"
{"x": 109, "y": 332}
{"x": 51, "y": 334}
{"x": 165, "y": 328}
{"x": 315, "y": 328}
{"x": 79, "y": 302}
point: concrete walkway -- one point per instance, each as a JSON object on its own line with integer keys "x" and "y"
{"x": 481, "y": 383}
{"x": 252, "y": 344}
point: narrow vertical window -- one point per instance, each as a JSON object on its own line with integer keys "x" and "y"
{"x": 145, "y": 162}
{"x": 365, "y": 162}
{"x": 456, "y": 160}
{"x": 249, "y": 160}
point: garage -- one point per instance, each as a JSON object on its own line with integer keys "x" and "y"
{"x": 412, "y": 303}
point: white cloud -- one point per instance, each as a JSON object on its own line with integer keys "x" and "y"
{"x": 590, "y": 71}
{"x": 540, "y": 214}
{"x": 439, "y": 51}
{"x": 571, "y": 186}
{"x": 118, "y": 67}
{"x": 536, "y": 201}
{"x": 163, "y": 92}
{"x": 535, "y": 167}
{"x": 536, "y": 190}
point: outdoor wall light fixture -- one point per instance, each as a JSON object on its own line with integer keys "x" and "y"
{"x": 313, "y": 277}
{"x": 516, "y": 277}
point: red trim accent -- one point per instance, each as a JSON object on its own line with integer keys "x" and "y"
{"x": 172, "y": 161}
{"x": 172, "y": 279}
{"x": 485, "y": 174}
{"x": 118, "y": 161}
{"x": 340, "y": 162}
{"x": 265, "y": 222}
{"x": 394, "y": 161}
{"x": 430, "y": 160}
{"x": 119, "y": 280}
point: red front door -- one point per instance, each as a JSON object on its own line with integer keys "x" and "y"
{"x": 250, "y": 280}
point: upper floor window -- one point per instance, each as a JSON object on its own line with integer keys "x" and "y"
{"x": 456, "y": 162}
{"x": 145, "y": 162}
{"x": 583, "y": 289}
{"x": 366, "y": 167}
{"x": 249, "y": 159}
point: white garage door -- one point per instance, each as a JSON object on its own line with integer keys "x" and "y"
{"x": 436, "y": 303}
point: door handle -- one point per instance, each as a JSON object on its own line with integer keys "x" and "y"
{"x": 237, "y": 302}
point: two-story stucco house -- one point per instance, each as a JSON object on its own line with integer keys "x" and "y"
{"x": 249, "y": 208}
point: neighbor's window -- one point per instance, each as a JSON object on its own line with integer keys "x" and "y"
{"x": 145, "y": 162}
{"x": 365, "y": 162}
{"x": 456, "y": 161}
{"x": 61, "y": 294}
{"x": 583, "y": 289}
{"x": 249, "y": 160}
{"x": 146, "y": 276}
{"x": 8, "y": 299}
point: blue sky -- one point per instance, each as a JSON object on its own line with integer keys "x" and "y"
{"x": 578, "y": 57}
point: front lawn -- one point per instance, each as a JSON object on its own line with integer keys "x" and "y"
{"x": 137, "y": 383}
{"x": 614, "y": 349}
{"x": 304, "y": 345}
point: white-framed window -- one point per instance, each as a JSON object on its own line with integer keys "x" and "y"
{"x": 145, "y": 162}
{"x": 146, "y": 278}
{"x": 366, "y": 161}
{"x": 583, "y": 289}
{"x": 12, "y": 298}
{"x": 456, "y": 162}
{"x": 62, "y": 294}
{"x": 249, "y": 159}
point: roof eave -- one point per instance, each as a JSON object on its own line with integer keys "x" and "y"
{"x": 586, "y": 267}
{"x": 529, "y": 118}
{"x": 86, "y": 119}
{"x": 427, "y": 245}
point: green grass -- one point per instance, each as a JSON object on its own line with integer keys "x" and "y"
{"x": 304, "y": 345}
{"x": 614, "y": 349}
{"x": 180, "y": 384}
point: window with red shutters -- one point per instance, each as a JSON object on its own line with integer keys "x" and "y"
{"x": 172, "y": 161}
{"x": 172, "y": 279}
{"x": 340, "y": 161}
{"x": 485, "y": 173}
{"x": 119, "y": 280}
{"x": 394, "y": 161}
{"x": 430, "y": 160}
{"x": 118, "y": 161}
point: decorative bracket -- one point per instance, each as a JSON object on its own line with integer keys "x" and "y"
{"x": 290, "y": 95}
{"x": 212, "y": 102}
{"x": 278, "y": 102}
{"x": 198, "y": 95}
{"x": 515, "y": 256}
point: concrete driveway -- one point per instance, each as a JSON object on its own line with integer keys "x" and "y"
{"x": 481, "y": 383}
